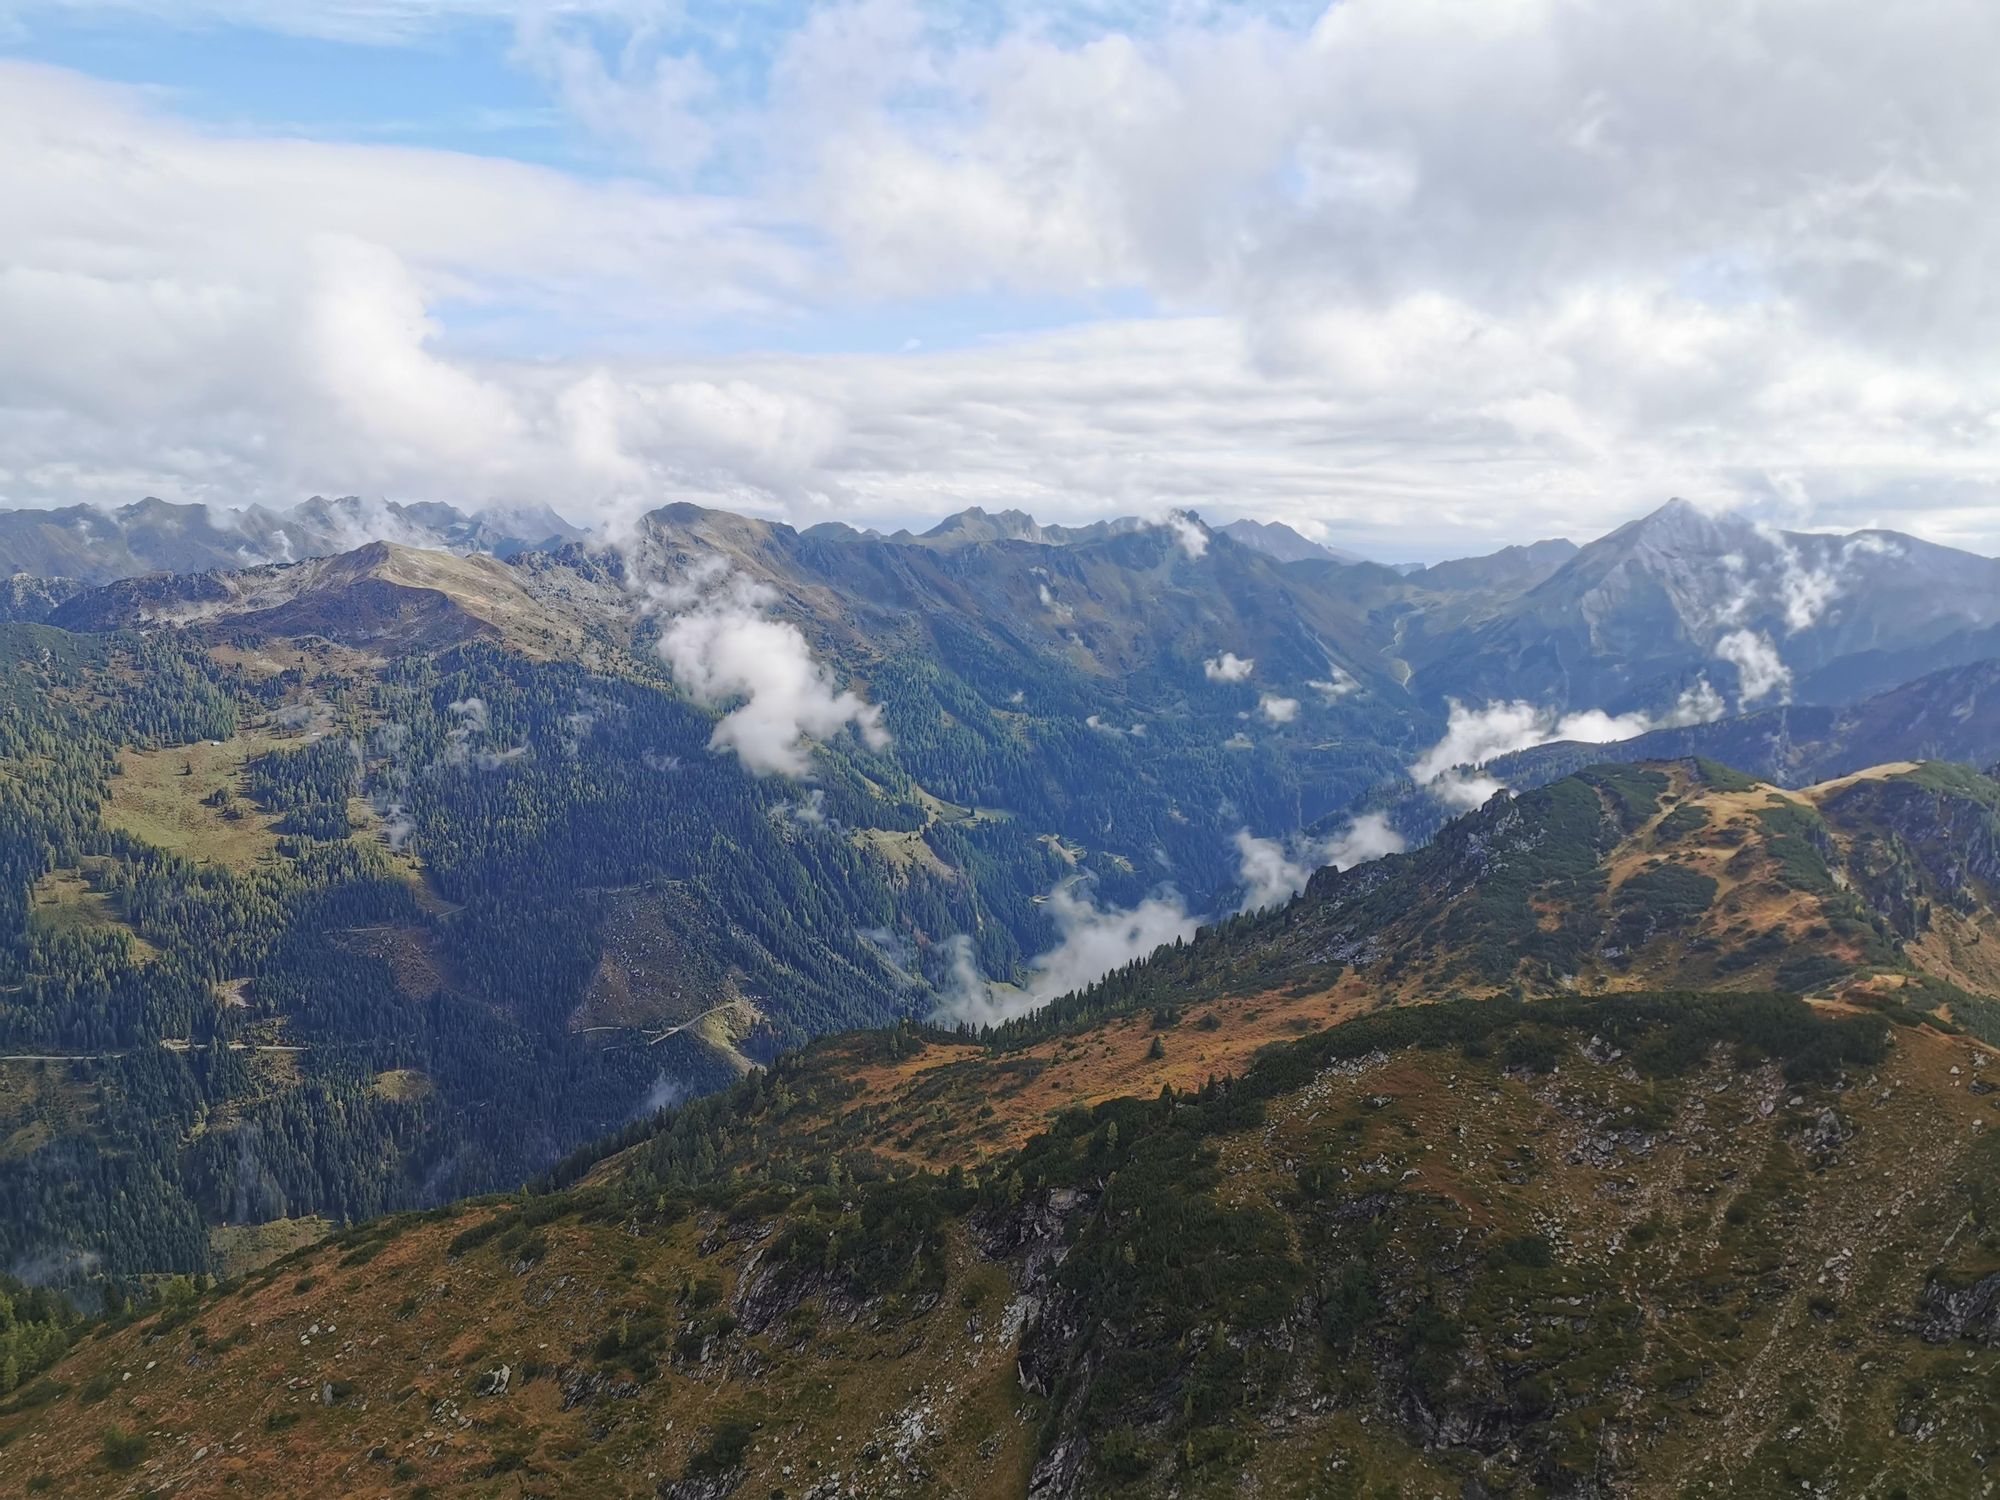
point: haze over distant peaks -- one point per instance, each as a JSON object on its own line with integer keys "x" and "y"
{"x": 1272, "y": 538}
{"x": 1280, "y": 541}
{"x": 93, "y": 545}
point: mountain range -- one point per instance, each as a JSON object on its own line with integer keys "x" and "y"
{"x": 1953, "y": 714}
{"x": 92, "y": 545}
{"x": 1638, "y": 615}
{"x": 1627, "y": 623}
{"x": 1118, "y": 1009}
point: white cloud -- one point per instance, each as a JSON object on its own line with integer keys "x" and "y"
{"x": 967, "y": 998}
{"x": 251, "y": 319}
{"x": 472, "y": 715}
{"x": 1268, "y": 871}
{"x": 1228, "y": 667}
{"x": 1449, "y": 770}
{"x": 1806, "y": 589}
{"x": 722, "y": 647}
{"x": 1421, "y": 272}
{"x": 1369, "y": 836}
{"x": 1761, "y": 671}
{"x": 642, "y": 95}
{"x": 1189, "y": 534}
{"x": 1336, "y": 685}
{"x": 1273, "y": 872}
{"x": 666, "y": 1092}
{"x": 462, "y": 748}
{"x": 1277, "y": 709}
{"x": 1096, "y": 721}
{"x": 809, "y": 809}
{"x": 1093, "y": 941}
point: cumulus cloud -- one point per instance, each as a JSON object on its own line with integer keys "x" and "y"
{"x": 1699, "y": 273}
{"x": 1761, "y": 671}
{"x": 723, "y": 648}
{"x": 1450, "y": 769}
{"x": 1093, "y": 941}
{"x": 1228, "y": 667}
{"x": 258, "y": 316}
{"x": 1278, "y": 709}
{"x": 1274, "y": 871}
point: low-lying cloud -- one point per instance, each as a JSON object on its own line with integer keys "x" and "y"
{"x": 1805, "y": 589}
{"x": 1228, "y": 667}
{"x": 1094, "y": 941}
{"x": 465, "y": 744}
{"x": 1450, "y": 769}
{"x": 666, "y": 1092}
{"x": 1189, "y": 534}
{"x": 1096, "y": 721}
{"x": 1274, "y": 871}
{"x": 723, "y": 648}
{"x": 1760, "y": 671}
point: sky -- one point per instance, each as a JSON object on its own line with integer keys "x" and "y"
{"x": 1418, "y": 277}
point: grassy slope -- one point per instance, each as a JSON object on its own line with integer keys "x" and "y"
{"x": 1728, "y": 1270}
{"x": 1651, "y": 878}
{"x": 1701, "y": 1249}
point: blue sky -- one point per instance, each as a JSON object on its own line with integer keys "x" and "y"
{"x": 450, "y": 87}
{"x": 1418, "y": 276}
{"x": 370, "y": 75}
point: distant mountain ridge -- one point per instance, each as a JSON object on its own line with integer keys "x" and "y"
{"x": 97, "y": 546}
{"x": 1638, "y": 616}
{"x": 381, "y": 594}
{"x": 1680, "y": 613}
{"x": 1275, "y": 539}
{"x": 1949, "y": 715}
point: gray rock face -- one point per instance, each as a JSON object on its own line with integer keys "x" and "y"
{"x": 494, "y": 1382}
{"x": 1971, "y": 1312}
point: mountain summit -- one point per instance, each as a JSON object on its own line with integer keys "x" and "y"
{"x": 1634, "y": 618}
